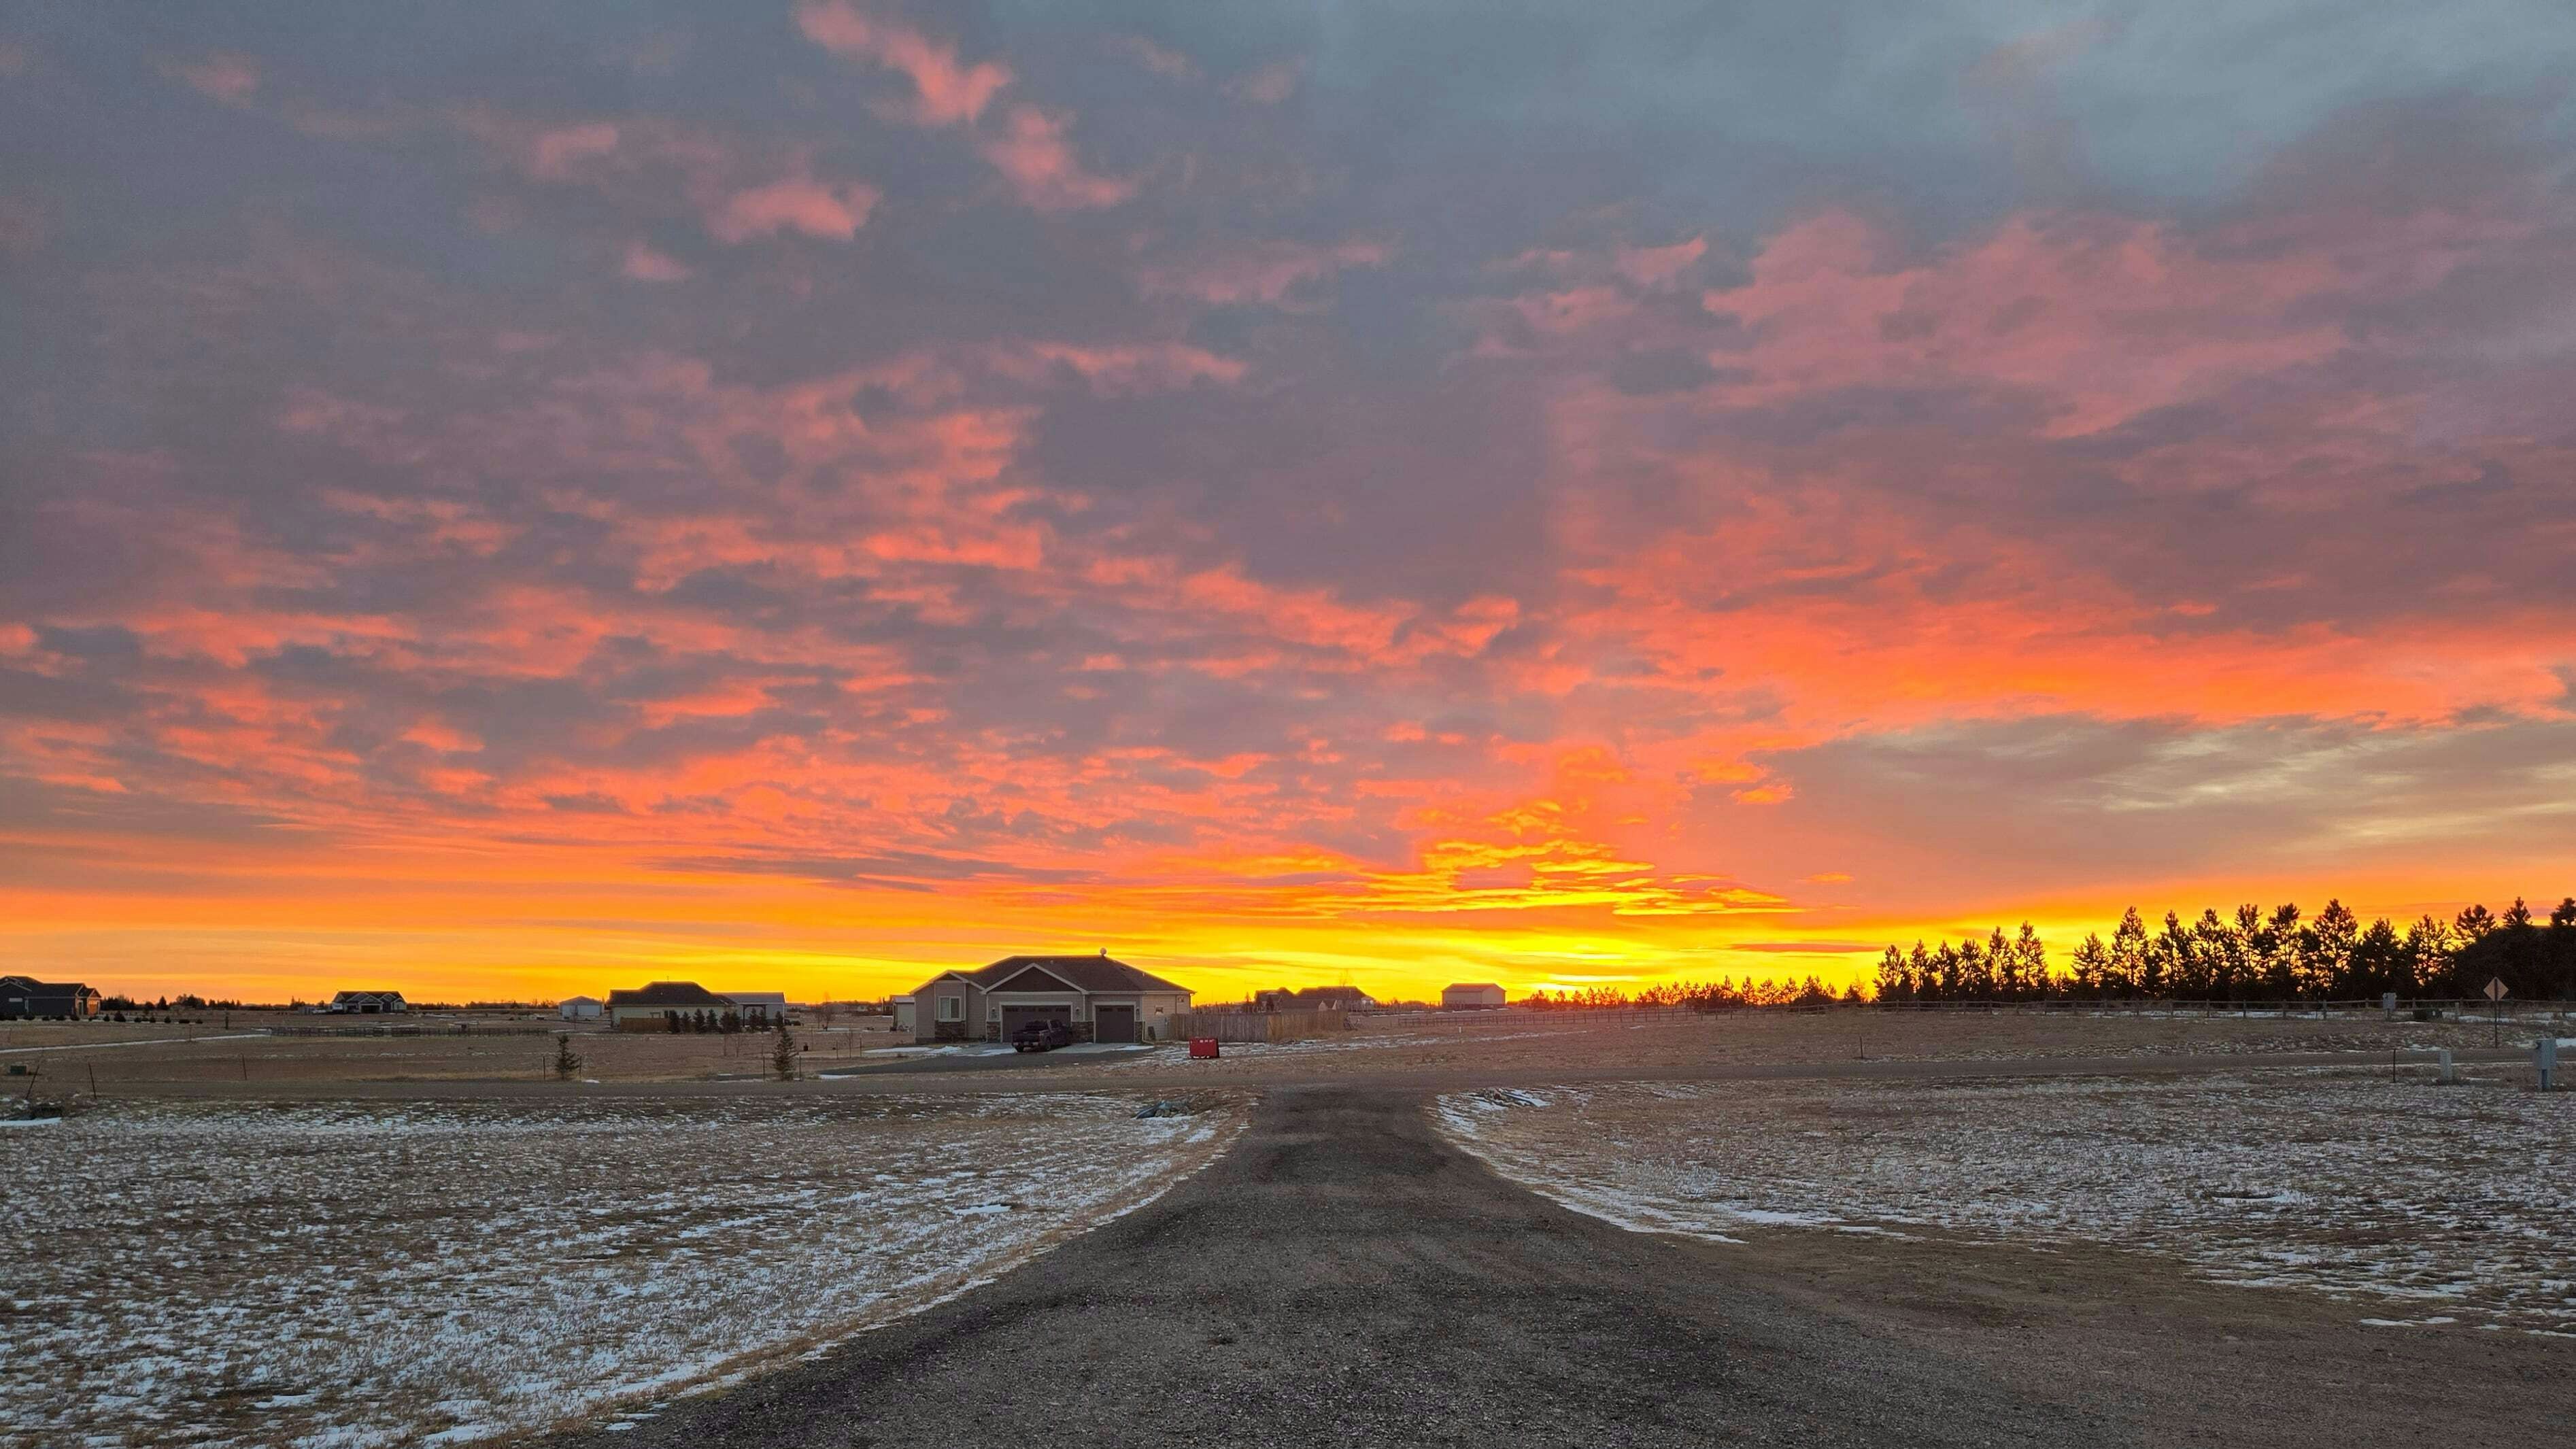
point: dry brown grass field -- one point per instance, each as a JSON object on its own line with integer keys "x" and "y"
{"x": 304, "y": 1052}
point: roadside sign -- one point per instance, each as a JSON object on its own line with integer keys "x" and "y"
{"x": 2495, "y": 988}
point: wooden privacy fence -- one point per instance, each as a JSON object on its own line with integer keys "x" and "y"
{"x": 1243, "y": 1026}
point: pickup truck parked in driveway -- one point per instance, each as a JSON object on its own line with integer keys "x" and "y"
{"x": 1041, "y": 1036}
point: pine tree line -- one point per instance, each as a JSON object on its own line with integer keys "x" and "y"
{"x": 2254, "y": 955}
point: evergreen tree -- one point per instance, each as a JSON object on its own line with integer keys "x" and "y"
{"x": 565, "y": 1062}
{"x": 2379, "y": 961}
{"x": 1892, "y": 985}
{"x": 2430, "y": 945}
{"x": 2003, "y": 968}
{"x": 2088, "y": 967}
{"x": 2277, "y": 948}
{"x": 782, "y": 1052}
{"x": 2034, "y": 961}
{"x": 2517, "y": 917}
{"x": 2325, "y": 965}
{"x": 2126, "y": 974}
{"x": 2474, "y": 923}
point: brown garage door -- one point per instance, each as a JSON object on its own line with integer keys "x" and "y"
{"x": 1015, "y": 1017}
{"x": 1113, "y": 1023}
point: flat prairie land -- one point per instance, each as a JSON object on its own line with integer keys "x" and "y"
{"x": 303, "y": 1054}
{"x": 361, "y": 1274}
{"x": 285, "y": 1048}
{"x": 2418, "y": 1205}
{"x": 1606, "y": 1044}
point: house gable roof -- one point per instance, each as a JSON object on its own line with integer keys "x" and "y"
{"x": 668, "y": 993}
{"x": 1035, "y": 977}
{"x": 1082, "y": 973}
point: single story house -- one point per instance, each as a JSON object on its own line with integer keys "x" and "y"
{"x": 766, "y": 1007}
{"x": 1472, "y": 996}
{"x": 369, "y": 1003}
{"x": 1315, "y": 998}
{"x": 581, "y": 1008}
{"x": 645, "y": 1008}
{"x": 1098, "y": 997}
{"x": 25, "y": 997}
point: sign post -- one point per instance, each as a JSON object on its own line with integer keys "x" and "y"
{"x": 2544, "y": 1055}
{"x": 2495, "y": 1008}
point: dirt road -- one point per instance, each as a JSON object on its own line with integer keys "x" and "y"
{"x": 1344, "y": 1277}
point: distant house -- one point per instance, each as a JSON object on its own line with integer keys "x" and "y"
{"x": 581, "y": 1008}
{"x": 1315, "y": 998}
{"x": 768, "y": 1008}
{"x": 1472, "y": 996}
{"x": 368, "y": 1003}
{"x": 645, "y": 1008}
{"x": 1097, "y": 997}
{"x": 25, "y": 998}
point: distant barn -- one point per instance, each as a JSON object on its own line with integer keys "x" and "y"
{"x": 1472, "y": 996}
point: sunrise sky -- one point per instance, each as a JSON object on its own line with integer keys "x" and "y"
{"x": 517, "y": 499}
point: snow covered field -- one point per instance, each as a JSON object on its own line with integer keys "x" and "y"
{"x": 2430, "y": 1205}
{"x": 351, "y": 1275}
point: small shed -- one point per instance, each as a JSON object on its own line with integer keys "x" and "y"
{"x": 766, "y": 1008}
{"x": 582, "y": 1008}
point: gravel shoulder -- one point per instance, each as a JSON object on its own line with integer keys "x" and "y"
{"x": 1344, "y": 1276}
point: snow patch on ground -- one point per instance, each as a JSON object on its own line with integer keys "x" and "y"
{"x": 2344, "y": 1183}
{"x": 360, "y": 1275}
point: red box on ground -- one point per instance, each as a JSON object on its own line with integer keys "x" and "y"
{"x": 1202, "y": 1046}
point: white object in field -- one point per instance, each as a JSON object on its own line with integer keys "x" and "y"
{"x": 2388, "y": 1005}
{"x": 2444, "y": 1061}
{"x": 2544, "y": 1055}
{"x": 2495, "y": 988}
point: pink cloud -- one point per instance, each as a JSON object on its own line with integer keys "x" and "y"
{"x": 1124, "y": 369}
{"x": 1263, "y": 272}
{"x": 945, "y": 93}
{"x": 794, "y": 205}
{"x": 1656, "y": 266}
{"x": 232, "y": 79}
{"x": 1033, "y": 153}
{"x": 2106, "y": 317}
{"x": 1269, "y": 85}
{"x": 1159, "y": 60}
{"x": 644, "y": 264}
{"x": 553, "y": 154}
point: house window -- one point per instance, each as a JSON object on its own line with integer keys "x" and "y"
{"x": 951, "y": 1009}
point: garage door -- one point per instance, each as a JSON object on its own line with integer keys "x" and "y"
{"x": 1015, "y": 1017}
{"x": 1113, "y": 1023}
